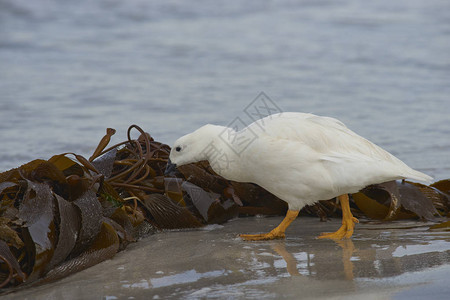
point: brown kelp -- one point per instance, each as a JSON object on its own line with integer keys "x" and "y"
{"x": 64, "y": 214}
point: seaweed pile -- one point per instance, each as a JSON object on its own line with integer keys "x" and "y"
{"x": 67, "y": 213}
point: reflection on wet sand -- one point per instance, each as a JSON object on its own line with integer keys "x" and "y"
{"x": 381, "y": 253}
{"x": 291, "y": 262}
{"x": 376, "y": 258}
{"x": 347, "y": 252}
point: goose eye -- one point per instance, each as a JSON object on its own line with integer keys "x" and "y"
{"x": 178, "y": 149}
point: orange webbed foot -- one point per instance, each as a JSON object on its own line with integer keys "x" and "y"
{"x": 345, "y": 231}
{"x": 263, "y": 236}
{"x": 275, "y": 234}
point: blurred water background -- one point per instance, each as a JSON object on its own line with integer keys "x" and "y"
{"x": 69, "y": 69}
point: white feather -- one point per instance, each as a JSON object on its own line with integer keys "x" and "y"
{"x": 301, "y": 158}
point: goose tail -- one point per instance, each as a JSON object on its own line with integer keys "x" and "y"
{"x": 419, "y": 176}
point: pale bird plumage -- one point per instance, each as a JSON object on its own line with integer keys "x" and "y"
{"x": 301, "y": 158}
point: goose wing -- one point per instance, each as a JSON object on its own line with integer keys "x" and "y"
{"x": 335, "y": 145}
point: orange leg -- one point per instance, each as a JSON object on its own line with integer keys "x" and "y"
{"x": 276, "y": 233}
{"x": 348, "y": 222}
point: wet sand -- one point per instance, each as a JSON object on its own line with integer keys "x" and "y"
{"x": 395, "y": 260}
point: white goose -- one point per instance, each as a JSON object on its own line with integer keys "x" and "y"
{"x": 301, "y": 158}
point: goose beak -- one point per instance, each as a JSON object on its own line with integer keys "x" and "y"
{"x": 170, "y": 168}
